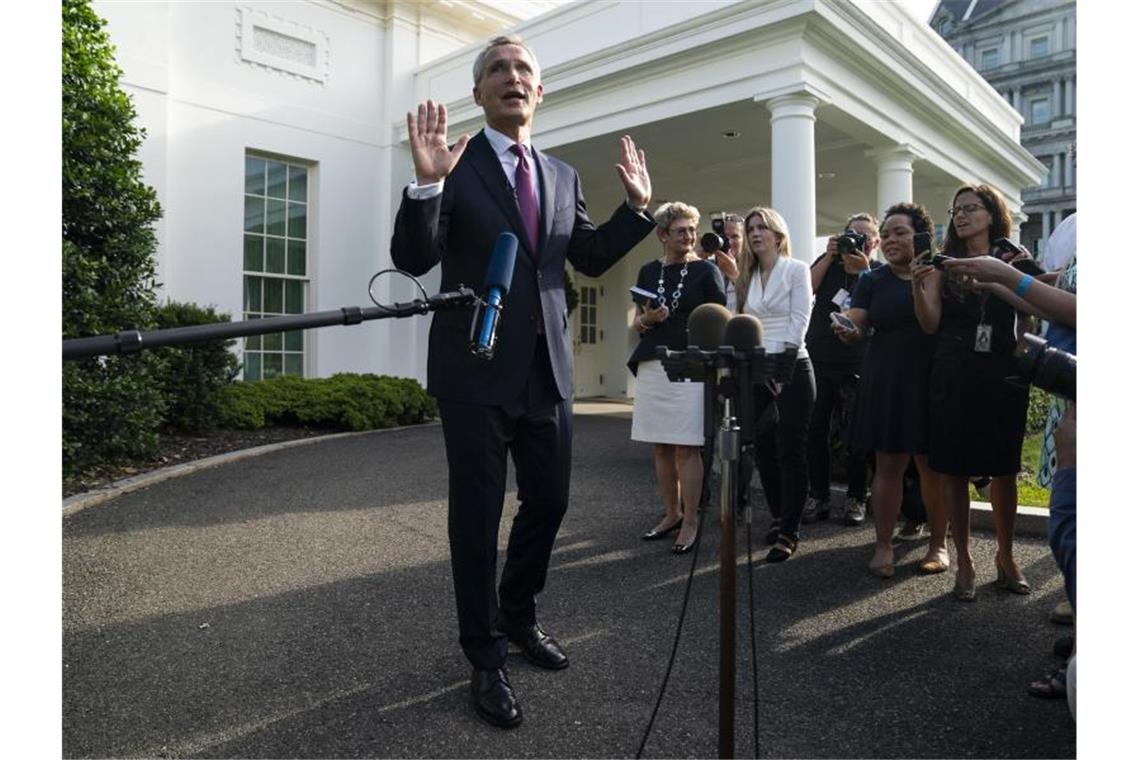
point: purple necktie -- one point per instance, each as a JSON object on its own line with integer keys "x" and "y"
{"x": 527, "y": 197}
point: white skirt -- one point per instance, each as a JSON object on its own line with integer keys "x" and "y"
{"x": 667, "y": 412}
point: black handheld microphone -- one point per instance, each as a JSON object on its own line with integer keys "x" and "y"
{"x": 497, "y": 282}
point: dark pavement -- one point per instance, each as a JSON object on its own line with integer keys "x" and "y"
{"x": 299, "y": 604}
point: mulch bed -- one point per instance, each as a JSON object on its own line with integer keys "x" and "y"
{"x": 176, "y": 449}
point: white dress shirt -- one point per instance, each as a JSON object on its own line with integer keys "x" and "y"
{"x": 784, "y": 306}
{"x": 501, "y": 144}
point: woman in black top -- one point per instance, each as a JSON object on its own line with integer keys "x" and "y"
{"x": 667, "y": 414}
{"x": 977, "y": 418}
{"x": 891, "y": 408}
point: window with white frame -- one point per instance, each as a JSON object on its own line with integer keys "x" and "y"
{"x": 1039, "y": 47}
{"x": 990, "y": 59}
{"x": 275, "y": 262}
{"x": 1040, "y": 112}
{"x": 588, "y": 315}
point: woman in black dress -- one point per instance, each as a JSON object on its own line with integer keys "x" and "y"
{"x": 977, "y": 418}
{"x": 891, "y": 408}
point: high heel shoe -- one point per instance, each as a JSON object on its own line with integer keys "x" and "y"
{"x": 1013, "y": 583}
{"x": 657, "y": 535}
{"x": 965, "y": 592}
{"x": 883, "y": 569}
{"x": 684, "y": 548}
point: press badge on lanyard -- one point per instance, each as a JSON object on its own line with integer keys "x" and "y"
{"x": 842, "y": 299}
{"x": 984, "y": 339}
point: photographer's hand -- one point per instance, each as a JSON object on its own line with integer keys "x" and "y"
{"x": 855, "y": 262}
{"x": 985, "y": 269}
{"x": 654, "y": 316}
{"x": 727, "y": 264}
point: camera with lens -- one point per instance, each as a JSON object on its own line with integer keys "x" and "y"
{"x": 850, "y": 242}
{"x": 717, "y": 240}
{"x": 1050, "y": 369}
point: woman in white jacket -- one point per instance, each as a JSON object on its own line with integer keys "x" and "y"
{"x": 777, "y": 289}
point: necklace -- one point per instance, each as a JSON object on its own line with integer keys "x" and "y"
{"x": 677, "y": 292}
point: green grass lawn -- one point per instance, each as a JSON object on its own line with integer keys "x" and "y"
{"x": 1029, "y": 494}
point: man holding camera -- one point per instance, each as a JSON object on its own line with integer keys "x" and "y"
{"x": 836, "y": 365}
{"x": 723, "y": 247}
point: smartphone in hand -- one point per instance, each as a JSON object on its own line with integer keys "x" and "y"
{"x": 922, "y": 243}
{"x": 845, "y": 322}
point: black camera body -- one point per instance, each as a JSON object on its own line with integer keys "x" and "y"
{"x": 1050, "y": 369}
{"x": 850, "y": 242}
{"x": 717, "y": 240}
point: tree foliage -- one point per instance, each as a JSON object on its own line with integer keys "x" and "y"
{"x": 111, "y": 407}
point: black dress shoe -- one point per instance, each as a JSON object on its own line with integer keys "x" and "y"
{"x": 657, "y": 535}
{"x": 494, "y": 699}
{"x": 537, "y": 646}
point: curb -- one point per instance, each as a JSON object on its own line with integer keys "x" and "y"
{"x": 81, "y": 501}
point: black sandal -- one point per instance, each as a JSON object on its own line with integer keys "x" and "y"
{"x": 784, "y": 547}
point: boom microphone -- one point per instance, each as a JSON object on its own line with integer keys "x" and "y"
{"x": 707, "y": 325}
{"x": 497, "y": 282}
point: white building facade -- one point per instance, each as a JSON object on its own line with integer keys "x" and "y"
{"x": 277, "y": 141}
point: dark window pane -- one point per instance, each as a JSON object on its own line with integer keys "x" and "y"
{"x": 254, "y": 260}
{"x": 275, "y": 255}
{"x": 272, "y": 342}
{"x": 296, "y": 257}
{"x": 253, "y": 294}
{"x": 274, "y": 297}
{"x": 253, "y": 343}
{"x": 295, "y": 365}
{"x": 295, "y": 340}
{"x": 294, "y": 296}
{"x": 298, "y": 184}
{"x": 271, "y": 366}
{"x": 252, "y": 365}
{"x": 276, "y": 187}
{"x": 275, "y": 217}
{"x": 297, "y": 220}
{"x": 255, "y": 175}
{"x": 254, "y": 214}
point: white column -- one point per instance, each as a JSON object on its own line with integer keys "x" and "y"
{"x": 1062, "y": 160}
{"x": 793, "y": 168}
{"x": 1017, "y": 99}
{"x": 895, "y": 175}
{"x": 1058, "y": 105}
{"x": 1019, "y": 218}
{"x": 1071, "y": 96}
{"x": 1068, "y": 164}
{"x": 1046, "y": 225}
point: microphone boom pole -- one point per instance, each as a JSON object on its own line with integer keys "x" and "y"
{"x": 133, "y": 341}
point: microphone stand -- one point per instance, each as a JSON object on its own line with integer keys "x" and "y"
{"x": 133, "y": 341}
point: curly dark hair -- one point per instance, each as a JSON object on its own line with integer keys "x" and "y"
{"x": 919, "y": 219}
{"x": 1000, "y": 225}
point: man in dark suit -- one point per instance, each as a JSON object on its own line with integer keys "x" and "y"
{"x": 520, "y": 400}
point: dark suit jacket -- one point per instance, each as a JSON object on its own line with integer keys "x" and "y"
{"x": 458, "y": 230}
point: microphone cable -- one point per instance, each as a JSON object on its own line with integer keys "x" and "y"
{"x": 677, "y": 635}
{"x": 752, "y": 627}
{"x": 384, "y": 309}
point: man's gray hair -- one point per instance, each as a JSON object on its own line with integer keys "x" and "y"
{"x": 507, "y": 39}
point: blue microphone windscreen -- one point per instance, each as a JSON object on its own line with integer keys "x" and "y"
{"x": 502, "y": 266}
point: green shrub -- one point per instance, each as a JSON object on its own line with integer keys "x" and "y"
{"x": 344, "y": 401}
{"x": 111, "y": 408}
{"x": 193, "y": 377}
{"x": 1038, "y": 410}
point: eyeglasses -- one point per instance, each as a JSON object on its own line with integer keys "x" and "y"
{"x": 967, "y": 208}
{"x": 683, "y": 231}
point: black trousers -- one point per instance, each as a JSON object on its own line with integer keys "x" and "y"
{"x": 831, "y": 382}
{"x": 781, "y": 449}
{"x": 536, "y": 431}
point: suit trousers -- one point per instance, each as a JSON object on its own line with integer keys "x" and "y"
{"x": 536, "y": 431}
{"x": 781, "y": 449}
{"x": 830, "y": 383}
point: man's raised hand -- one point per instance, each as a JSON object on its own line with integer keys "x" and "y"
{"x": 427, "y": 134}
{"x": 634, "y": 174}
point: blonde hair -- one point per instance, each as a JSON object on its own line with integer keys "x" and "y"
{"x": 667, "y": 213}
{"x": 749, "y": 262}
